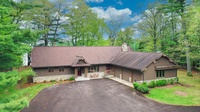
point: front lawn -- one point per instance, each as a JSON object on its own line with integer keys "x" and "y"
{"x": 186, "y": 94}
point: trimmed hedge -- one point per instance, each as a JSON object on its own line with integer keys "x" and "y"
{"x": 135, "y": 85}
{"x": 161, "y": 83}
{"x": 141, "y": 87}
{"x": 144, "y": 87}
{"x": 72, "y": 78}
{"x": 152, "y": 84}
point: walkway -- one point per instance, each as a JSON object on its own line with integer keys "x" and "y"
{"x": 121, "y": 81}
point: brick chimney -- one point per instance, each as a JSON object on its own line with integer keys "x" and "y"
{"x": 124, "y": 47}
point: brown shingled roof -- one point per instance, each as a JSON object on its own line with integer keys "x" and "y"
{"x": 67, "y": 56}
{"x": 64, "y": 56}
{"x": 135, "y": 60}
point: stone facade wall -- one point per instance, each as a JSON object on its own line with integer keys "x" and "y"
{"x": 49, "y": 78}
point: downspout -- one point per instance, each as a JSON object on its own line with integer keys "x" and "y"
{"x": 143, "y": 75}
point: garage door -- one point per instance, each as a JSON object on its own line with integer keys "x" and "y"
{"x": 127, "y": 75}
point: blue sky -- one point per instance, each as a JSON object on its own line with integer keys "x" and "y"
{"x": 136, "y": 6}
{"x": 128, "y": 10}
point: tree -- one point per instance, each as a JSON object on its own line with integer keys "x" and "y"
{"x": 150, "y": 24}
{"x": 13, "y": 41}
{"x": 83, "y": 25}
{"x": 125, "y": 36}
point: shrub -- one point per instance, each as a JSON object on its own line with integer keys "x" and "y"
{"x": 71, "y": 78}
{"x": 161, "y": 83}
{"x": 172, "y": 81}
{"x": 143, "y": 88}
{"x": 144, "y": 83}
{"x": 52, "y": 80}
{"x": 152, "y": 84}
{"x": 135, "y": 85}
{"x": 44, "y": 81}
{"x": 14, "y": 106}
{"x": 176, "y": 80}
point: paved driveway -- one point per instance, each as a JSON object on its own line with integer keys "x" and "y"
{"x": 101, "y": 95}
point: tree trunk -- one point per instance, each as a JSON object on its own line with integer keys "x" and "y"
{"x": 188, "y": 59}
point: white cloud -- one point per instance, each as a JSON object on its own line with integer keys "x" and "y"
{"x": 111, "y": 13}
{"x": 122, "y": 29}
{"x": 136, "y": 18}
{"x": 98, "y": 1}
{"x": 120, "y": 2}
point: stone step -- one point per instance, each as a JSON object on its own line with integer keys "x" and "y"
{"x": 81, "y": 79}
{"x": 109, "y": 76}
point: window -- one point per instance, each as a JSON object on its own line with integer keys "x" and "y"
{"x": 160, "y": 73}
{"x": 94, "y": 68}
{"x": 61, "y": 69}
{"x": 50, "y": 70}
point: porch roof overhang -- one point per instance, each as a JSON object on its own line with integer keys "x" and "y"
{"x": 80, "y": 61}
{"x": 81, "y": 65}
{"x": 167, "y": 67}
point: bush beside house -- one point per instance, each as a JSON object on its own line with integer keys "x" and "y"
{"x": 144, "y": 87}
{"x": 72, "y": 78}
{"x": 141, "y": 87}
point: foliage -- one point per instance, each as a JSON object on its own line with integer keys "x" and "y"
{"x": 72, "y": 78}
{"x": 8, "y": 80}
{"x": 14, "y": 42}
{"x": 151, "y": 84}
{"x": 19, "y": 98}
{"x": 12, "y": 97}
{"x": 14, "y": 105}
{"x": 172, "y": 27}
{"x": 135, "y": 85}
{"x": 161, "y": 83}
{"x": 171, "y": 81}
{"x": 125, "y": 36}
{"x": 141, "y": 87}
{"x": 83, "y": 25}
{"x": 178, "y": 94}
{"x": 24, "y": 74}
{"x": 53, "y": 81}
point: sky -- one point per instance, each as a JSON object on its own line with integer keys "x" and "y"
{"x": 130, "y": 10}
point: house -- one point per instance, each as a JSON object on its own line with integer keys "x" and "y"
{"x": 55, "y": 63}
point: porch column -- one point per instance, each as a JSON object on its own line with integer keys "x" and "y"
{"x": 86, "y": 71}
{"x": 76, "y": 72}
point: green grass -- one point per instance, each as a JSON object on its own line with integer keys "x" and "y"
{"x": 187, "y": 95}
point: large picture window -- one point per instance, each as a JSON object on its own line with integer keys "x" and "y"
{"x": 94, "y": 68}
{"x": 160, "y": 73}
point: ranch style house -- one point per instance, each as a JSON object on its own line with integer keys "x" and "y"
{"x": 60, "y": 63}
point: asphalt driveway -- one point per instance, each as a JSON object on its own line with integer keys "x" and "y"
{"x": 102, "y": 95}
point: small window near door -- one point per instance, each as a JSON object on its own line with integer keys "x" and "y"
{"x": 160, "y": 73}
{"x": 50, "y": 69}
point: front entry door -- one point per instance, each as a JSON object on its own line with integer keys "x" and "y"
{"x": 79, "y": 71}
